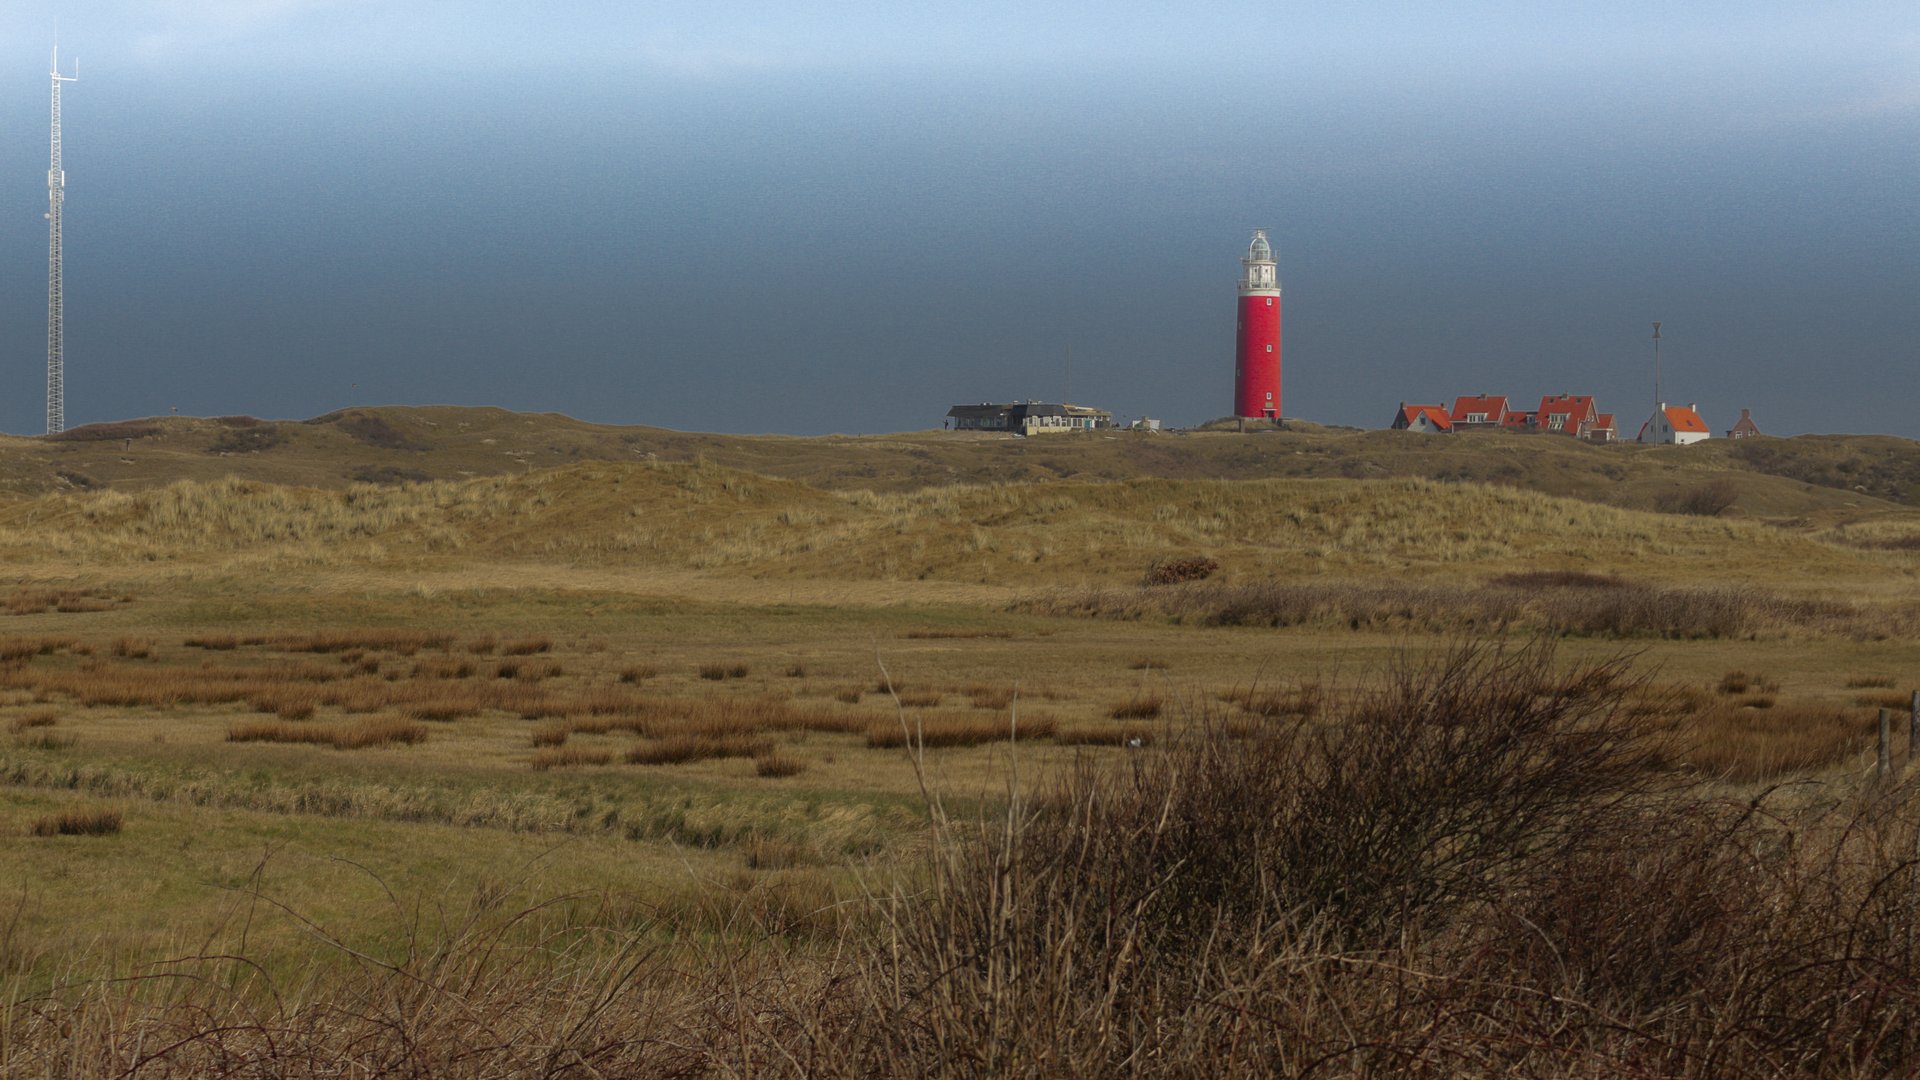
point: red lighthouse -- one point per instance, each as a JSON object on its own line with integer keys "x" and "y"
{"x": 1256, "y": 367}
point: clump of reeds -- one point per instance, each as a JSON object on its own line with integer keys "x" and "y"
{"x": 1623, "y": 610}
{"x": 775, "y": 764}
{"x": 637, "y": 673}
{"x": 681, "y": 749}
{"x": 570, "y": 757}
{"x": 1143, "y": 707}
{"x": 938, "y": 730}
{"x": 1176, "y": 569}
{"x": 527, "y": 646}
{"x": 132, "y": 648}
{"x": 38, "y": 718}
{"x": 78, "y": 823}
{"x": 39, "y": 601}
{"x": 405, "y": 642}
{"x": 340, "y": 736}
{"x": 988, "y": 696}
{"x": 717, "y": 672}
{"x": 213, "y": 642}
{"x": 1303, "y": 699}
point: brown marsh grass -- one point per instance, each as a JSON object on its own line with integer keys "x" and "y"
{"x": 569, "y": 757}
{"x": 681, "y": 749}
{"x": 951, "y": 729}
{"x": 1624, "y": 610}
{"x": 78, "y": 823}
{"x": 1144, "y": 707}
{"x": 341, "y": 736}
{"x": 1480, "y": 870}
{"x": 776, "y": 765}
{"x": 132, "y": 648}
{"x": 1742, "y": 744}
{"x": 38, "y": 718}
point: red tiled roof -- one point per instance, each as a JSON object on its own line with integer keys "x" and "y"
{"x": 1685, "y": 419}
{"x": 1494, "y": 405}
{"x": 1578, "y": 406}
{"x": 1435, "y": 414}
{"x": 1517, "y": 419}
{"x": 1605, "y": 421}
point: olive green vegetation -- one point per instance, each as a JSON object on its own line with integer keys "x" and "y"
{"x": 352, "y": 673}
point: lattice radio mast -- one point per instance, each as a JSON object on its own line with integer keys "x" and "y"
{"x": 56, "y": 308}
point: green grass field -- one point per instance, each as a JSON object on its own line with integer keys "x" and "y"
{"x": 673, "y": 683}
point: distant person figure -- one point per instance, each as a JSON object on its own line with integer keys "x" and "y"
{"x": 943, "y": 425}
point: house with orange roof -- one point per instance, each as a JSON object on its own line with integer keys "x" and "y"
{"x": 1479, "y": 411}
{"x": 1603, "y": 430}
{"x": 1518, "y": 421}
{"x": 1431, "y": 419}
{"x": 1567, "y": 414}
{"x": 1674, "y": 424}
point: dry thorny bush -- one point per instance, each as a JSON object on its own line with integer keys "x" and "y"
{"x": 1478, "y": 870}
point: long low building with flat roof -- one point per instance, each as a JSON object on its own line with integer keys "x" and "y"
{"x": 1028, "y": 417}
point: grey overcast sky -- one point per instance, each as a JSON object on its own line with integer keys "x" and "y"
{"x": 811, "y": 217}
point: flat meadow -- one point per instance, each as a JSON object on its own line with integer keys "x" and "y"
{"x": 677, "y": 768}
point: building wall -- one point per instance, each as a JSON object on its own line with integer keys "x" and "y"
{"x": 1257, "y": 356}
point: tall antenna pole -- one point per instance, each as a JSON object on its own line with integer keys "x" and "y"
{"x": 1657, "y": 399}
{"x": 56, "y": 307}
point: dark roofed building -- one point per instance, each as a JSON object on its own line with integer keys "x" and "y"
{"x": 1029, "y": 417}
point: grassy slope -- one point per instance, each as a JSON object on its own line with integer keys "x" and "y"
{"x": 1827, "y": 478}
{"x": 723, "y": 523}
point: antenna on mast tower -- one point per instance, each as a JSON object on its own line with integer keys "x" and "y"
{"x": 56, "y": 283}
{"x": 1658, "y": 401}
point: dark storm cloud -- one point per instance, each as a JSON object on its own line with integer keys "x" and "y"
{"x": 849, "y": 220}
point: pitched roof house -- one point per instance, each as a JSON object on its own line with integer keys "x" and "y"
{"x": 1746, "y": 428}
{"x": 1675, "y": 424}
{"x": 1482, "y": 410}
{"x": 1431, "y": 419}
{"x": 1603, "y": 430}
{"x": 1567, "y": 414}
{"x": 1518, "y": 421}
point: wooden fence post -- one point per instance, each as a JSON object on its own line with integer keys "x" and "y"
{"x": 1913, "y": 725}
{"x": 1883, "y": 764}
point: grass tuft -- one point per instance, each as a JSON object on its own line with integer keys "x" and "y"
{"x": 78, "y": 823}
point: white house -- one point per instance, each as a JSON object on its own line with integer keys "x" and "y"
{"x": 1675, "y": 424}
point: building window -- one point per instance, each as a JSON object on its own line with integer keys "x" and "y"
{"x": 1476, "y": 418}
{"x": 1556, "y": 421}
